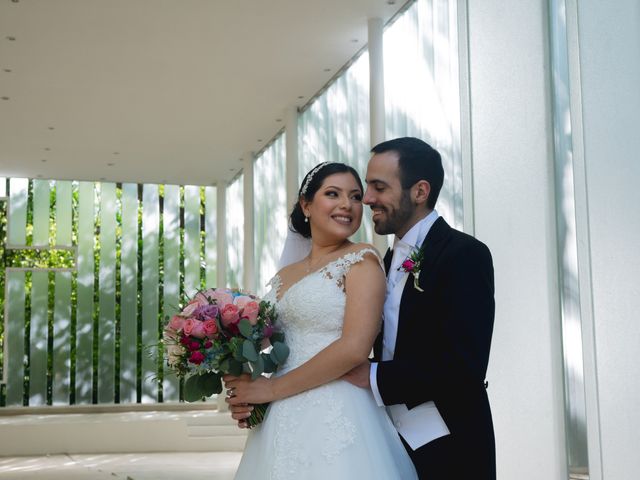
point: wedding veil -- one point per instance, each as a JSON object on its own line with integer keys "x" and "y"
{"x": 296, "y": 247}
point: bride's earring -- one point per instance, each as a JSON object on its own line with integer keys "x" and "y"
{"x": 306, "y": 219}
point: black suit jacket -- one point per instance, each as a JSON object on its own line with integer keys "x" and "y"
{"x": 442, "y": 351}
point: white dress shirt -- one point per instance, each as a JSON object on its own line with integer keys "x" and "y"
{"x": 421, "y": 424}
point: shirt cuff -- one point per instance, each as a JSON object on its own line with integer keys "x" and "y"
{"x": 373, "y": 380}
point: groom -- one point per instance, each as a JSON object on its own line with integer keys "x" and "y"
{"x": 431, "y": 357}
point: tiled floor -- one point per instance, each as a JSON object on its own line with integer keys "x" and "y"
{"x": 126, "y": 466}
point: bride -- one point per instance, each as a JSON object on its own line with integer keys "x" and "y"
{"x": 329, "y": 305}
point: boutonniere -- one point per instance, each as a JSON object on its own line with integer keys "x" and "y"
{"x": 413, "y": 264}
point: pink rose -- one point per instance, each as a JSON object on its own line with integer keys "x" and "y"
{"x": 250, "y": 311}
{"x": 189, "y": 323}
{"x": 210, "y": 328}
{"x": 194, "y": 328}
{"x": 196, "y": 357}
{"x": 176, "y": 323}
{"x": 408, "y": 265}
{"x": 230, "y": 314}
{"x": 198, "y": 330}
{"x": 242, "y": 300}
{"x": 222, "y": 298}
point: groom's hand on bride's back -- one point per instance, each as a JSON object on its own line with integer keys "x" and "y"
{"x": 359, "y": 376}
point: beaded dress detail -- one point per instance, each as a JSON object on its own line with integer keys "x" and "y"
{"x": 333, "y": 431}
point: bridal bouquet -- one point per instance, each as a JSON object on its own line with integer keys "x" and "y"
{"x": 221, "y": 331}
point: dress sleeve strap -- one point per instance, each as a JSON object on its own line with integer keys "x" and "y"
{"x": 355, "y": 257}
{"x": 275, "y": 283}
{"x": 359, "y": 256}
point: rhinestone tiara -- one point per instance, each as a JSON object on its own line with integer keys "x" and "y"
{"x": 305, "y": 186}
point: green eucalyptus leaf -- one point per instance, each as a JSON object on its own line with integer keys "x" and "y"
{"x": 192, "y": 389}
{"x": 249, "y": 351}
{"x": 258, "y": 368}
{"x": 274, "y": 357}
{"x": 210, "y": 383}
{"x": 269, "y": 365}
{"x": 235, "y": 368}
{"x": 282, "y": 352}
{"x": 277, "y": 337}
{"x": 245, "y": 327}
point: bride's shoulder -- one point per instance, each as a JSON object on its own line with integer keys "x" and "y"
{"x": 363, "y": 253}
{"x": 366, "y": 249}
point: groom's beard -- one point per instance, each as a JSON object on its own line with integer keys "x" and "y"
{"x": 393, "y": 219}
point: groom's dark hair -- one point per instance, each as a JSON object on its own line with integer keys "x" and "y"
{"x": 417, "y": 161}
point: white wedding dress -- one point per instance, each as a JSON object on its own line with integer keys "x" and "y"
{"x": 335, "y": 431}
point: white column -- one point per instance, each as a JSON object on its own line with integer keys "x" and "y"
{"x": 605, "y": 66}
{"x": 376, "y": 80}
{"x": 291, "y": 135}
{"x": 376, "y": 99}
{"x": 221, "y": 246}
{"x": 514, "y": 208}
{"x": 249, "y": 236}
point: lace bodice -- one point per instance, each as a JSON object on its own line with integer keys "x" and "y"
{"x": 311, "y": 311}
{"x": 335, "y": 430}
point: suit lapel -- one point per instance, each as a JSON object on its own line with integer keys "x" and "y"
{"x": 433, "y": 244}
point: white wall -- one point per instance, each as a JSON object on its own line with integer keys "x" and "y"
{"x": 609, "y": 41}
{"x": 515, "y": 215}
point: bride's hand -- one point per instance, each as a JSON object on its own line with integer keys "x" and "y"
{"x": 244, "y": 390}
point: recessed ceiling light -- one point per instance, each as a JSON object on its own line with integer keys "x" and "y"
{"x": 116, "y": 153}
{"x": 259, "y": 140}
{"x": 391, "y": 2}
{"x": 278, "y": 119}
{"x": 7, "y": 70}
{"x": 15, "y": 1}
{"x": 231, "y": 169}
{"x": 300, "y": 97}
{"x": 110, "y": 164}
{"x": 52, "y": 128}
{"x": 5, "y": 98}
{"x": 47, "y": 149}
{"x": 354, "y": 40}
{"x": 44, "y": 160}
{"x": 327, "y": 69}
{"x": 10, "y": 38}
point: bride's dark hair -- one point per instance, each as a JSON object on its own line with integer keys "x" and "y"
{"x": 311, "y": 186}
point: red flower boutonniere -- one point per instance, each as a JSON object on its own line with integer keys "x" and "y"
{"x": 413, "y": 264}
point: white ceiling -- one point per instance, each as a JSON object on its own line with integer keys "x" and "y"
{"x": 162, "y": 91}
